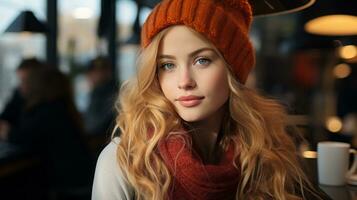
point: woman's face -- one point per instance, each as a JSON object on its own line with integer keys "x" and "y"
{"x": 192, "y": 76}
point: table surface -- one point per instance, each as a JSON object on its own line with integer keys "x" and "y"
{"x": 344, "y": 192}
{"x": 347, "y": 192}
{"x": 9, "y": 152}
{"x": 14, "y": 159}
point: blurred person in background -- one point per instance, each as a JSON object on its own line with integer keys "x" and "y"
{"x": 51, "y": 127}
{"x": 99, "y": 115}
{"x": 13, "y": 108}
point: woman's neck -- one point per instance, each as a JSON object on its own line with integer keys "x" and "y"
{"x": 204, "y": 137}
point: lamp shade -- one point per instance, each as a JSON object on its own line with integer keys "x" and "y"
{"x": 329, "y": 33}
{"x": 332, "y": 18}
{"x": 260, "y": 7}
{"x": 274, "y": 7}
{"x": 148, "y": 3}
{"x": 26, "y": 21}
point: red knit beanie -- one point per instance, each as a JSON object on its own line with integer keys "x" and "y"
{"x": 225, "y": 23}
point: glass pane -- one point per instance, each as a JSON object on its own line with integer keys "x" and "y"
{"x": 77, "y": 31}
{"x": 127, "y": 12}
{"x": 126, "y": 15}
{"x": 78, "y": 42}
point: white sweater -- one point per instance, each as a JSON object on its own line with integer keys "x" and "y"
{"x": 109, "y": 182}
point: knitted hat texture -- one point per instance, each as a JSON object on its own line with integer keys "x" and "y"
{"x": 225, "y": 23}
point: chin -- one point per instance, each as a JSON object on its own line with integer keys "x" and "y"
{"x": 191, "y": 117}
{"x": 190, "y": 120}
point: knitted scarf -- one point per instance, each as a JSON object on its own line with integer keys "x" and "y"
{"x": 191, "y": 178}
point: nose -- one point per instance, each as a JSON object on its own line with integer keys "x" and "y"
{"x": 186, "y": 80}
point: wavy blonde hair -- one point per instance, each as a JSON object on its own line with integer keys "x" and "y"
{"x": 266, "y": 154}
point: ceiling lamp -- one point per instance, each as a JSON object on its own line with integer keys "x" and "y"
{"x": 260, "y": 7}
{"x": 333, "y": 25}
{"x": 274, "y": 7}
{"x": 332, "y": 18}
{"x": 26, "y": 22}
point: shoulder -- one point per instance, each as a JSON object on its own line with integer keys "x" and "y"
{"x": 109, "y": 182}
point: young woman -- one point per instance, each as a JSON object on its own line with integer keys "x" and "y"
{"x": 190, "y": 129}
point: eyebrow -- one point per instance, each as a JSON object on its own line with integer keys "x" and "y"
{"x": 190, "y": 54}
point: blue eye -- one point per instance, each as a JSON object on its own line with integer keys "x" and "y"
{"x": 167, "y": 66}
{"x": 203, "y": 61}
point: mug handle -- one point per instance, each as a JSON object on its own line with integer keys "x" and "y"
{"x": 353, "y": 168}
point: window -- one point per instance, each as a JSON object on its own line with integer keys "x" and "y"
{"x": 16, "y": 46}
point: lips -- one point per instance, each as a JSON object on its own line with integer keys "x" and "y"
{"x": 190, "y": 101}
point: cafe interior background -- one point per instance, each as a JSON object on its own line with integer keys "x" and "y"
{"x": 306, "y": 59}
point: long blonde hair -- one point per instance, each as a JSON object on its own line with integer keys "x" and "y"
{"x": 264, "y": 151}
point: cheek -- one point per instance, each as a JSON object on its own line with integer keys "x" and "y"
{"x": 167, "y": 86}
{"x": 217, "y": 83}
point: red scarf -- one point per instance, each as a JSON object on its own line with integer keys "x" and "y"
{"x": 191, "y": 178}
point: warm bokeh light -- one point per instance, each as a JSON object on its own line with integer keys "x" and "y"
{"x": 348, "y": 52}
{"x": 309, "y": 154}
{"x": 333, "y": 25}
{"x": 82, "y": 13}
{"x": 25, "y": 34}
{"x": 342, "y": 70}
{"x": 334, "y": 124}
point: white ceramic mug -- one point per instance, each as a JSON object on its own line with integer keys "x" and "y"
{"x": 333, "y": 161}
